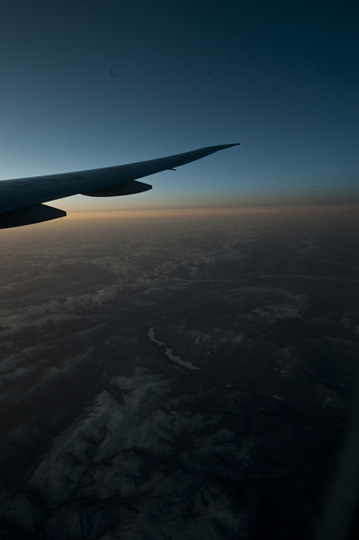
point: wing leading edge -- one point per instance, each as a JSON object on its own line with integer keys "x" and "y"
{"x": 21, "y": 199}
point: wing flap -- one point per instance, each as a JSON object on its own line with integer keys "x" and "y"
{"x": 27, "y": 216}
{"x": 127, "y": 188}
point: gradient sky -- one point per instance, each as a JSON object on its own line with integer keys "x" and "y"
{"x": 97, "y": 83}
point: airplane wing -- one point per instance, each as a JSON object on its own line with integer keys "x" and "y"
{"x": 21, "y": 199}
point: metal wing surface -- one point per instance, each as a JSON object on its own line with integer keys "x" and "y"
{"x": 21, "y": 199}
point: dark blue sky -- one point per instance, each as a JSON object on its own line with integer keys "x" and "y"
{"x": 94, "y": 83}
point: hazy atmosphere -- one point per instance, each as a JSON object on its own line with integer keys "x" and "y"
{"x": 182, "y": 363}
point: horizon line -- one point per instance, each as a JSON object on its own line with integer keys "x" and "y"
{"x": 207, "y": 211}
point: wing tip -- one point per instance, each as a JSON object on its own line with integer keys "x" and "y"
{"x": 224, "y": 146}
{"x": 230, "y": 145}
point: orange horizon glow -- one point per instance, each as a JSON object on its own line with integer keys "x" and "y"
{"x": 335, "y": 214}
{"x": 205, "y": 212}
